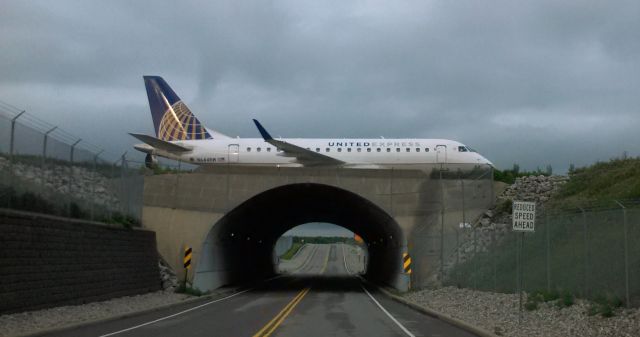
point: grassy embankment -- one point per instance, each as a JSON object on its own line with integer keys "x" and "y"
{"x": 585, "y": 263}
{"x": 292, "y": 251}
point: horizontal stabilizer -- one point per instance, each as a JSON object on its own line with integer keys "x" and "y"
{"x": 161, "y": 144}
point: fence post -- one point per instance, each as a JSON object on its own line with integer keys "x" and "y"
{"x": 11, "y": 141}
{"x": 442, "y": 211}
{"x": 493, "y": 258}
{"x": 475, "y": 257}
{"x": 585, "y": 243}
{"x": 44, "y": 157}
{"x": 626, "y": 254}
{"x": 71, "y": 179}
{"x": 123, "y": 203}
{"x": 93, "y": 184}
{"x": 547, "y": 229}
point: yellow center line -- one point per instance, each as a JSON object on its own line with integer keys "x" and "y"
{"x": 273, "y": 324}
{"x": 326, "y": 261}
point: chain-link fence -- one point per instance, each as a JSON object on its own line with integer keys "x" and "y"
{"x": 590, "y": 252}
{"x": 46, "y": 169}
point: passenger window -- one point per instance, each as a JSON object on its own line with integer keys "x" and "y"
{"x": 348, "y": 149}
{"x": 408, "y": 149}
{"x": 268, "y": 149}
{"x": 258, "y": 149}
{"x": 327, "y": 150}
{"x": 368, "y": 149}
{"x": 248, "y": 149}
{"x": 339, "y": 149}
{"x": 359, "y": 149}
{"x": 388, "y": 149}
{"x": 397, "y": 149}
{"x": 417, "y": 149}
{"x": 317, "y": 149}
{"x": 378, "y": 149}
{"x": 426, "y": 149}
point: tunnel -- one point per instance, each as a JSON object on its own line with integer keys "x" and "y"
{"x": 239, "y": 247}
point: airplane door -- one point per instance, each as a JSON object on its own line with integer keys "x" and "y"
{"x": 234, "y": 152}
{"x": 441, "y": 154}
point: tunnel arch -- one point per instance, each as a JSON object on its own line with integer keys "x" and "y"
{"x": 239, "y": 246}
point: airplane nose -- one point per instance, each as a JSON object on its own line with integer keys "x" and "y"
{"x": 483, "y": 160}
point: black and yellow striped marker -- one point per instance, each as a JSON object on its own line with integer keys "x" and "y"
{"x": 187, "y": 257}
{"x": 406, "y": 263}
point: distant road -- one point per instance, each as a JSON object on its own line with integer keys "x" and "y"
{"x": 299, "y": 304}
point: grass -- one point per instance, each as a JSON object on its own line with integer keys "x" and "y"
{"x": 185, "y": 289}
{"x": 561, "y": 299}
{"x": 604, "y": 306}
{"x": 615, "y": 179}
{"x": 292, "y": 251}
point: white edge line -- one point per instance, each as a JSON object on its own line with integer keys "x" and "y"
{"x": 176, "y": 314}
{"x": 344, "y": 258}
{"x": 388, "y": 314}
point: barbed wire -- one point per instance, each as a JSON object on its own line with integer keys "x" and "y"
{"x": 33, "y": 122}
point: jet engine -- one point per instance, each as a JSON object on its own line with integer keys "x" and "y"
{"x": 150, "y": 161}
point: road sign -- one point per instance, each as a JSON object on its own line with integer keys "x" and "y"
{"x": 524, "y": 216}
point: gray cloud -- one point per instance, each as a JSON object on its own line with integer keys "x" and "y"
{"x": 536, "y": 83}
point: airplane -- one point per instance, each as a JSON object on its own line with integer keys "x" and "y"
{"x": 182, "y": 137}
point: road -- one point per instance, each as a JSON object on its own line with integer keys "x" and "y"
{"x": 320, "y": 298}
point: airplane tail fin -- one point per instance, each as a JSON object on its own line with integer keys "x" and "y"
{"x": 172, "y": 118}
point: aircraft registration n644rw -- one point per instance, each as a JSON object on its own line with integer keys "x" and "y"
{"x": 181, "y": 136}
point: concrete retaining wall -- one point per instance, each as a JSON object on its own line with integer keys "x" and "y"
{"x": 49, "y": 261}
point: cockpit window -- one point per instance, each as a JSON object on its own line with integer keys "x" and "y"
{"x": 462, "y": 149}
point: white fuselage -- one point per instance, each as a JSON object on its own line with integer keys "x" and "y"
{"x": 359, "y": 153}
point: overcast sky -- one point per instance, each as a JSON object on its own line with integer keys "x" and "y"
{"x": 537, "y": 83}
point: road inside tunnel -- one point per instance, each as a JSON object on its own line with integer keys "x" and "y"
{"x": 239, "y": 247}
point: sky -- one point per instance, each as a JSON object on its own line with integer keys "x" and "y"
{"x": 530, "y": 82}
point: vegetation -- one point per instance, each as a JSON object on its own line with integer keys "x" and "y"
{"x": 183, "y": 288}
{"x": 616, "y": 179}
{"x": 561, "y": 299}
{"x": 323, "y": 239}
{"x": 604, "y": 306}
{"x": 509, "y": 176}
{"x": 292, "y": 251}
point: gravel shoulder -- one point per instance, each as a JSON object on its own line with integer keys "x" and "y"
{"x": 33, "y": 321}
{"x": 498, "y": 313}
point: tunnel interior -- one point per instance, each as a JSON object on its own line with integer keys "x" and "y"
{"x": 239, "y": 247}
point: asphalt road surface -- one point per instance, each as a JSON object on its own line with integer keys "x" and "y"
{"x": 320, "y": 298}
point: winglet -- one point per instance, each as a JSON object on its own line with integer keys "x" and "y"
{"x": 267, "y": 137}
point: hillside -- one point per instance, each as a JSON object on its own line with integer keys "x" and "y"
{"x": 615, "y": 179}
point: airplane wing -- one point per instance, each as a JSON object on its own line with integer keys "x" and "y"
{"x": 161, "y": 144}
{"x": 302, "y": 155}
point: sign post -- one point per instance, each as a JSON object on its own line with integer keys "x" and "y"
{"x": 187, "y": 264}
{"x": 524, "y": 220}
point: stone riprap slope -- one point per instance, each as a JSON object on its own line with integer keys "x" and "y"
{"x": 494, "y": 225}
{"x": 534, "y": 188}
{"x": 56, "y": 179}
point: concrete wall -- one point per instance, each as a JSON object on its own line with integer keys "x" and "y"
{"x": 48, "y": 261}
{"x": 423, "y": 204}
{"x": 282, "y": 245}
